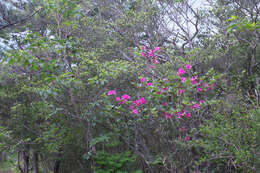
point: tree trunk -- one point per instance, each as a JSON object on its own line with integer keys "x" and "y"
{"x": 4, "y": 156}
{"x": 56, "y": 166}
{"x": 1, "y": 156}
{"x": 26, "y": 162}
{"x": 35, "y": 162}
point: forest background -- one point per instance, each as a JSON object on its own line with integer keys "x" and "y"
{"x": 130, "y": 86}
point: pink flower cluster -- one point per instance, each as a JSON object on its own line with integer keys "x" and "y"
{"x": 151, "y": 55}
{"x": 124, "y": 98}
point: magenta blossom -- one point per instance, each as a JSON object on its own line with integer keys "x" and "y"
{"x": 122, "y": 102}
{"x": 155, "y": 61}
{"x": 188, "y": 114}
{"x": 199, "y": 89}
{"x": 135, "y": 111}
{"x": 180, "y": 114}
{"x": 111, "y": 92}
{"x": 137, "y": 103}
{"x": 142, "y": 80}
{"x": 142, "y": 100}
{"x": 181, "y": 71}
{"x": 194, "y": 78}
{"x": 143, "y": 48}
{"x": 164, "y": 103}
{"x": 188, "y": 66}
{"x": 196, "y": 106}
{"x": 125, "y": 96}
{"x": 187, "y": 138}
{"x": 201, "y": 101}
{"x": 167, "y": 115}
{"x": 118, "y": 98}
{"x": 149, "y": 84}
{"x": 150, "y": 53}
{"x": 181, "y": 91}
{"x": 156, "y": 48}
{"x": 143, "y": 54}
{"x": 183, "y": 79}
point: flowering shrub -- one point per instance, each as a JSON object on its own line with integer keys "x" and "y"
{"x": 177, "y": 99}
{"x": 180, "y": 95}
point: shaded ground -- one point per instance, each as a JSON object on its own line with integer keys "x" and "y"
{"x": 6, "y": 171}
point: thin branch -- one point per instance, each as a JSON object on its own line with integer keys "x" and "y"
{"x": 20, "y": 21}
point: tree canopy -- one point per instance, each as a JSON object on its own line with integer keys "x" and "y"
{"x": 130, "y": 86}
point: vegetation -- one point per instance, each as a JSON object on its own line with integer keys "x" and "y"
{"x": 130, "y": 86}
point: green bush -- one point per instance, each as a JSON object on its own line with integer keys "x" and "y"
{"x": 115, "y": 163}
{"x": 230, "y": 141}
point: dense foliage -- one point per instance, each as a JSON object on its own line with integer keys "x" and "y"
{"x": 134, "y": 86}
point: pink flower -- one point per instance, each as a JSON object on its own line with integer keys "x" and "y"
{"x": 187, "y": 138}
{"x": 118, "y": 98}
{"x": 122, "y": 102}
{"x": 199, "y": 89}
{"x": 183, "y": 79}
{"x": 180, "y": 114}
{"x": 209, "y": 88}
{"x": 143, "y": 48}
{"x": 156, "y": 48}
{"x": 149, "y": 84}
{"x": 143, "y": 54}
{"x": 137, "y": 103}
{"x": 167, "y": 115}
{"x": 181, "y": 71}
{"x": 194, "y": 82}
{"x": 181, "y": 91}
{"x": 188, "y": 66}
{"x": 164, "y": 103}
{"x": 155, "y": 61}
{"x": 196, "y": 172}
{"x": 196, "y": 106}
{"x": 193, "y": 78}
{"x": 135, "y": 111}
{"x": 125, "y": 96}
{"x": 201, "y": 101}
{"x": 111, "y": 92}
{"x": 142, "y": 79}
{"x": 188, "y": 114}
{"x": 150, "y": 53}
{"x": 142, "y": 100}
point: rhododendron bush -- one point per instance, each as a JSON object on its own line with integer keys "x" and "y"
{"x": 171, "y": 106}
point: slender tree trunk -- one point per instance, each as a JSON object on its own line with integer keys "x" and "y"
{"x": 26, "y": 161}
{"x": 4, "y": 156}
{"x": 35, "y": 162}
{"x": 1, "y": 156}
{"x": 56, "y": 166}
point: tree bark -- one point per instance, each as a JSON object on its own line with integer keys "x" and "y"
{"x": 56, "y": 166}
{"x": 35, "y": 163}
{"x": 26, "y": 162}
